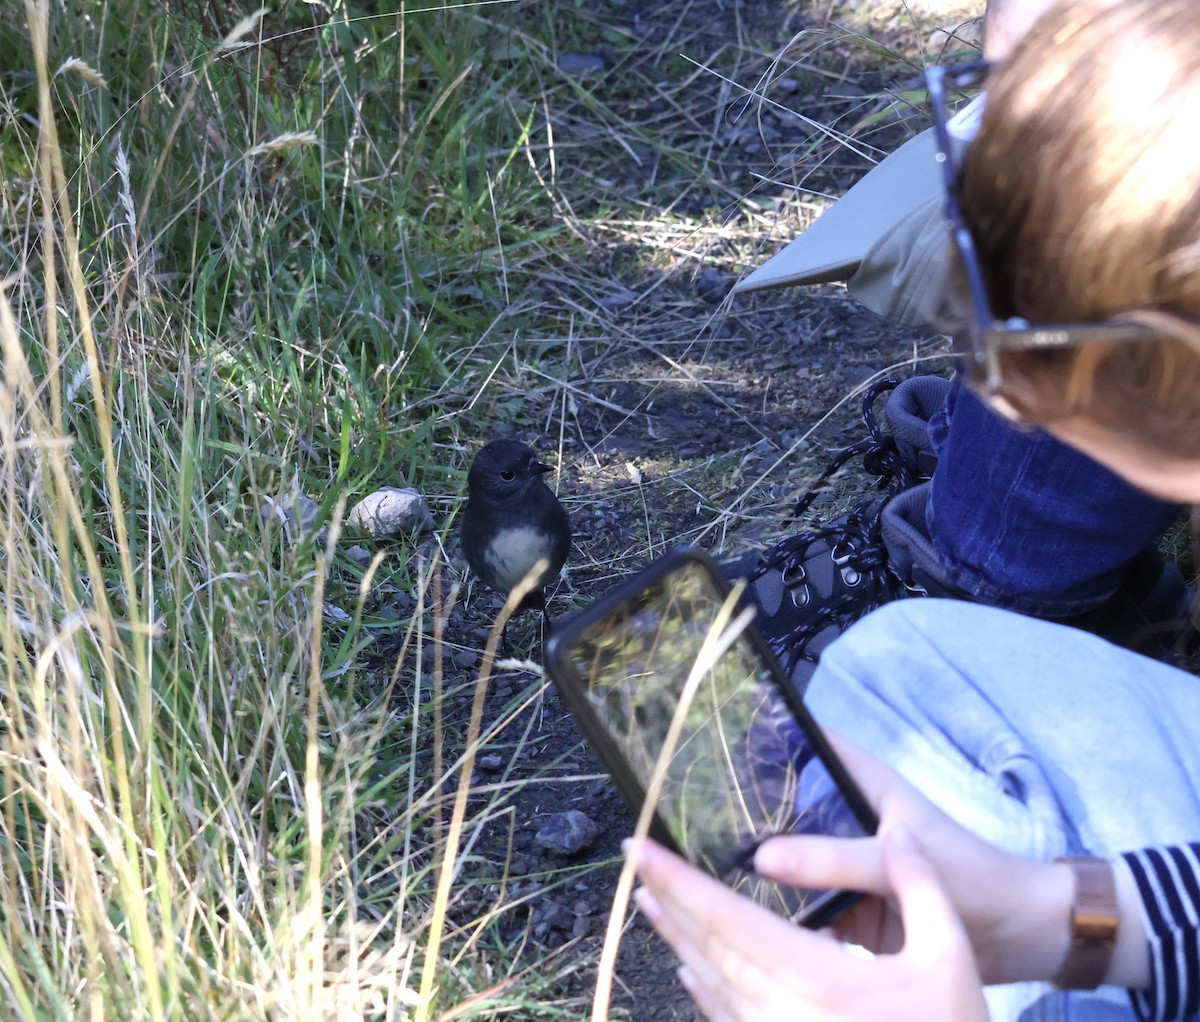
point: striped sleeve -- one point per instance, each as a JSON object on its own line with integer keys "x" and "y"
{"x": 1168, "y": 881}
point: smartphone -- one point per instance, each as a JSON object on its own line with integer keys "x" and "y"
{"x": 682, "y": 700}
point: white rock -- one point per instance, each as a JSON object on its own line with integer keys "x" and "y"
{"x": 391, "y": 511}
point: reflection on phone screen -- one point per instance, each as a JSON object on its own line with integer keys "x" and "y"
{"x": 743, "y": 768}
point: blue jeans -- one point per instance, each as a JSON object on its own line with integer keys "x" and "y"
{"x": 1022, "y": 521}
{"x": 1043, "y": 739}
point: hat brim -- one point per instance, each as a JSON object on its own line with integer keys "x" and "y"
{"x": 836, "y": 243}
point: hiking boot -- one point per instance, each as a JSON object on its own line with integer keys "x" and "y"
{"x": 812, "y": 586}
{"x": 910, "y": 407}
{"x": 1150, "y": 613}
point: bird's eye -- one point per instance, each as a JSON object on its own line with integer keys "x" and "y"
{"x": 508, "y": 475}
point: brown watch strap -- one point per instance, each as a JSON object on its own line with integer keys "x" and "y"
{"x": 1094, "y": 920}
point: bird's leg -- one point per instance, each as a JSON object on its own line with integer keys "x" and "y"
{"x": 547, "y": 628}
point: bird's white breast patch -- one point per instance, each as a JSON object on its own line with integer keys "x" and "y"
{"x": 513, "y": 552}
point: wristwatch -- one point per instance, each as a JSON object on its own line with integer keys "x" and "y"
{"x": 1094, "y": 920}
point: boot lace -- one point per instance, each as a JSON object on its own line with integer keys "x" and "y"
{"x": 855, "y": 542}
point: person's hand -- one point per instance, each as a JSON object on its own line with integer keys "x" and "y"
{"x": 1014, "y": 910}
{"x": 744, "y": 963}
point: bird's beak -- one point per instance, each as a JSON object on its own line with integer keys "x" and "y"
{"x": 539, "y": 469}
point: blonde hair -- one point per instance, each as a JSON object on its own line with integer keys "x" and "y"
{"x": 1082, "y": 190}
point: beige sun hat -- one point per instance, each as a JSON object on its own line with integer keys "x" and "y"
{"x": 840, "y": 238}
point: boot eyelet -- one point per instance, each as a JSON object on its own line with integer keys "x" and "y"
{"x": 801, "y": 595}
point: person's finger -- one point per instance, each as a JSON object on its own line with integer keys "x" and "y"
{"x": 741, "y": 975}
{"x": 713, "y": 1002}
{"x": 687, "y": 906}
{"x": 713, "y": 971}
{"x": 697, "y": 901}
{"x": 715, "y": 931}
{"x": 931, "y": 925}
{"x": 706, "y": 1000}
{"x": 824, "y": 863}
{"x": 692, "y": 907}
{"x": 659, "y": 868}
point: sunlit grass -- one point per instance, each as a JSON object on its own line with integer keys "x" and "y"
{"x": 225, "y": 280}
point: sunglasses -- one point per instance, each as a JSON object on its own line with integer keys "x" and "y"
{"x": 986, "y": 337}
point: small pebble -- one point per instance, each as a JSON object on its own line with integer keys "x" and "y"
{"x": 568, "y": 833}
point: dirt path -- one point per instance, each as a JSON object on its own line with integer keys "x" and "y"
{"x": 677, "y": 415}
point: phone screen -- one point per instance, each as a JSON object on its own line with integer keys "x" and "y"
{"x": 675, "y": 660}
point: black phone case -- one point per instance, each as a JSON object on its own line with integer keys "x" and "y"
{"x": 826, "y": 906}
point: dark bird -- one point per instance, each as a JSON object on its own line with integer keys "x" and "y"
{"x": 512, "y": 519}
